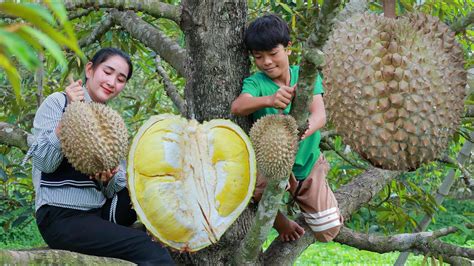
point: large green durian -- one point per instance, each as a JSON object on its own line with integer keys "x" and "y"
{"x": 394, "y": 87}
{"x": 93, "y": 137}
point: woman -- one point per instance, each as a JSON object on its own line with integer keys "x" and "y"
{"x": 76, "y": 212}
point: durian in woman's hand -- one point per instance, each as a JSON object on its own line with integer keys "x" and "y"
{"x": 394, "y": 87}
{"x": 93, "y": 137}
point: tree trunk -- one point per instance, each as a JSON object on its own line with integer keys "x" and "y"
{"x": 217, "y": 61}
{"x": 216, "y": 67}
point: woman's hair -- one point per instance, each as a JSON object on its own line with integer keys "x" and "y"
{"x": 105, "y": 53}
{"x": 266, "y": 33}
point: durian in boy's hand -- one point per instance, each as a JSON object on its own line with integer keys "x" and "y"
{"x": 394, "y": 87}
{"x": 93, "y": 137}
{"x": 275, "y": 140}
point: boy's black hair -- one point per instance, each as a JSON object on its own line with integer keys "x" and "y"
{"x": 266, "y": 33}
{"x": 105, "y": 53}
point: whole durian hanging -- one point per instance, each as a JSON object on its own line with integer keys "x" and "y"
{"x": 394, "y": 87}
{"x": 93, "y": 137}
{"x": 275, "y": 140}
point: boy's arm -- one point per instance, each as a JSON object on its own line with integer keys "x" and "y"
{"x": 317, "y": 117}
{"x": 246, "y": 104}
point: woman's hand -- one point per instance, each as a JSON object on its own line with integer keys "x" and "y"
{"x": 74, "y": 91}
{"x": 105, "y": 176}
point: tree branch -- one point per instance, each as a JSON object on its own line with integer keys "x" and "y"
{"x": 98, "y": 31}
{"x": 449, "y": 160}
{"x": 39, "y": 75}
{"x": 153, "y": 8}
{"x": 442, "y": 192}
{"x": 423, "y": 242}
{"x": 15, "y": 136}
{"x": 312, "y": 61}
{"x": 330, "y": 146}
{"x": 170, "y": 88}
{"x": 350, "y": 198}
{"x": 152, "y": 37}
{"x": 469, "y": 111}
{"x": 80, "y": 14}
{"x": 460, "y": 25}
{"x": 51, "y": 257}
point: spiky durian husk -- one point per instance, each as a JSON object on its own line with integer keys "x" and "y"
{"x": 93, "y": 137}
{"x": 275, "y": 141}
{"x": 351, "y": 8}
{"x": 394, "y": 87}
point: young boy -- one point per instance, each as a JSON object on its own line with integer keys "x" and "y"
{"x": 267, "y": 38}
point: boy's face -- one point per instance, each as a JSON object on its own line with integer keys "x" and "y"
{"x": 273, "y": 63}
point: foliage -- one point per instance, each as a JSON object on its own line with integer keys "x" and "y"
{"x": 17, "y": 196}
{"x": 397, "y": 208}
{"x": 22, "y": 41}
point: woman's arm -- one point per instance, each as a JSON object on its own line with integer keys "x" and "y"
{"x": 117, "y": 182}
{"x": 46, "y": 150}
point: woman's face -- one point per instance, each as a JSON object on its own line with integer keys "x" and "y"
{"x": 107, "y": 80}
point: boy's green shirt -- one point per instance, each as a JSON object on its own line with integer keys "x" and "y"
{"x": 259, "y": 85}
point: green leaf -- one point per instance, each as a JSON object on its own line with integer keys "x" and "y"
{"x": 41, "y": 11}
{"x": 285, "y": 7}
{"x": 19, "y": 48}
{"x": 3, "y": 175}
{"x": 12, "y": 76}
{"x": 50, "y": 45}
{"x": 60, "y": 12}
{"x": 20, "y": 220}
{"x": 299, "y": 3}
{"x": 4, "y": 160}
{"x": 19, "y": 175}
{"x": 30, "y": 15}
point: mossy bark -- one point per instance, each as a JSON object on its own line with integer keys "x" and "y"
{"x": 251, "y": 247}
{"x": 54, "y": 257}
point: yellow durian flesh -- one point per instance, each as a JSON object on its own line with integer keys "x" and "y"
{"x": 188, "y": 182}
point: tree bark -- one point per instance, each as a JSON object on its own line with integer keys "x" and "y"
{"x": 54, "y": 257}
{"x": 217, "y": 61}
{"x": 462, "y": 23}
{"x": 152, "y": 37}
{"x": 151, "y": 7}
{"x": 98, "y": 31}
{"x": 15, "y": 136}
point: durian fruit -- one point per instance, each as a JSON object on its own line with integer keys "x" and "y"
{"x": 352, "y": 7}
{"x": 275, "y": 140}
{"x": 93, "y": 137}
{"x": 188, "y": 181}
{"x": 394, "y": 87}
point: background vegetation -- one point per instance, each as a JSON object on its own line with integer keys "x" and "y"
{"x": 43, "y": 68}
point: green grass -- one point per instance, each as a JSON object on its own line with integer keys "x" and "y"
{"x": 337, "y": 254}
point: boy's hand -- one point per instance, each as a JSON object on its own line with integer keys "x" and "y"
{"x": 74, "y": 91}
{"x": 283, "y": 97}
{"x": 310, "y": 130}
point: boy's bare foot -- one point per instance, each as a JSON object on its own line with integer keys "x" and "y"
{"x": 288, "y": 230}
